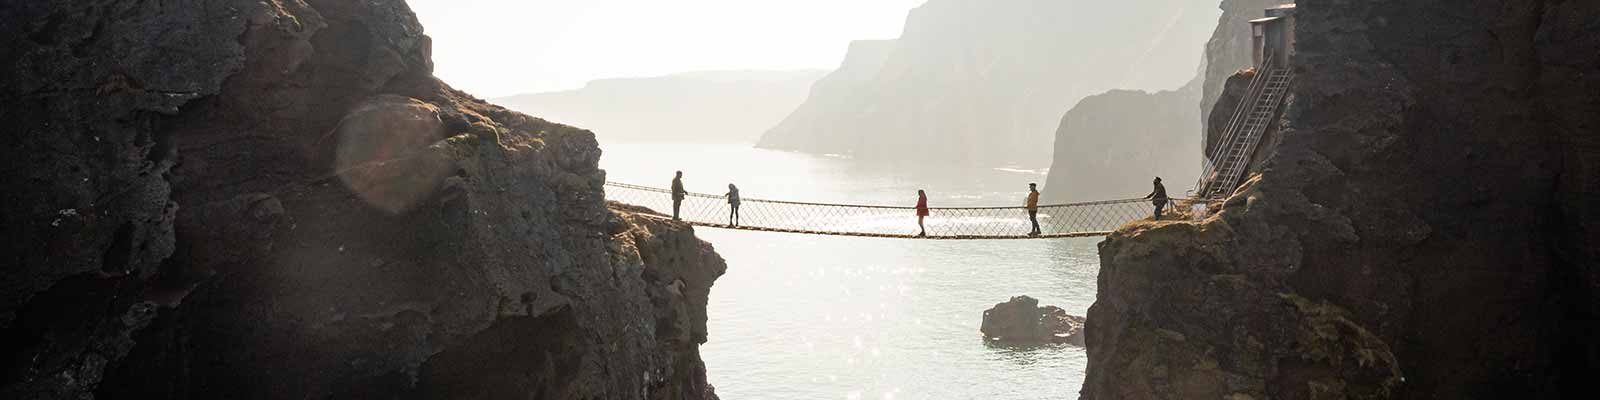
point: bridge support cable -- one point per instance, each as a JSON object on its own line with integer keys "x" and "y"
{"x": 1055, "y": 221}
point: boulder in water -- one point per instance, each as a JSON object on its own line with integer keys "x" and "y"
{"x": 1021, "y": 321}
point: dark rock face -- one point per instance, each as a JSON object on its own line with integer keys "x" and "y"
{"x": 1111, "y": 144}
{"x": 1182, "y": 324}
{"x": 235, "y": 199}
{"x": 1021, "y": 321}
{"x": 985, "y": 82}
{"x": 1423, "y": 230}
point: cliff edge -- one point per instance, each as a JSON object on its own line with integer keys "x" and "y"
{"x": 1425, "y": 227}
{"x": 241, "y": 199}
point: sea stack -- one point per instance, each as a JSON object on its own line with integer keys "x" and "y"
{"x": 1021, "y": 321}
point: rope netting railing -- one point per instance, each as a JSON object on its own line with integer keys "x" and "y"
{"x": 1055, "y": 221}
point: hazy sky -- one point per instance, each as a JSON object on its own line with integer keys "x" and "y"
{"x": 495, "y": 48}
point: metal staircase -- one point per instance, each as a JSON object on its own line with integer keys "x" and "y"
{"x": 1250, "y": 120}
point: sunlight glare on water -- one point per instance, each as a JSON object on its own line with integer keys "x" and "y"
{"x": 820, "y": 317}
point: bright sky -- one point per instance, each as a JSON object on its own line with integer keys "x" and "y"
{"x": 494, "y": 48}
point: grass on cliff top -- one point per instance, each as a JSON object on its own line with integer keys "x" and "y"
{"x": 1178, "y": 212}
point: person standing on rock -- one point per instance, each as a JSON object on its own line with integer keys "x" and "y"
{"x": 733, "y": 205}
{"x": 677, "y": 195}
{"x": 1033, "y": 208}
{"x": 922, "y": 212}
{"x": 1158, "y": 198}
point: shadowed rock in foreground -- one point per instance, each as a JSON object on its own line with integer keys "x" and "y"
{"x": 239, "y": 199}
{"x": 1021, "y": 321}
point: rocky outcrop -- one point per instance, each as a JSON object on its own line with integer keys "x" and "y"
{"x": 1020, "y": 321}
{"x": 1110, "y": 145}
{"x": 1232, "y": 93}
{"x": 1217, "y": 124}
{"x": 985, "y": 82}
{"x": 235, "y": 199}
{"x": 709, "y": 106}
{"x": 1422, "y": 230}
{"x": 1177, "y": 319}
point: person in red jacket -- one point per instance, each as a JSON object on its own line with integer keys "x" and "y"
{"x": 922, "y": 211}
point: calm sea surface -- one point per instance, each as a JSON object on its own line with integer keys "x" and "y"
{"x": 813, "y": 317}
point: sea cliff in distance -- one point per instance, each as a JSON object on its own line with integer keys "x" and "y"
{"x": 986, "y": 83}
{"x": 703, "y": 106}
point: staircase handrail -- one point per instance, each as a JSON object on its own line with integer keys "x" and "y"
{"x": 1240, "y": 113}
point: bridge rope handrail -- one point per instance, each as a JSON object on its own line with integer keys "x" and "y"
{"x": 801, "y": 203}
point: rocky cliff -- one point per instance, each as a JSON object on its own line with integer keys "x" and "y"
{"x": 708, "y": 106}
{"x": 1424, "y": 229}
{"x": 240, "y": 199}
{"x": 985, "y": 82}
{"x": 1111, "y": 144}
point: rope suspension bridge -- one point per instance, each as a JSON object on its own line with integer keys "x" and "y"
{"x": 1055, "y": 221}
{"x": 1227, "y": 164}
{"x": 1231, "y": 158}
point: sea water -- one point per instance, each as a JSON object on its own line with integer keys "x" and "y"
{"x": 819, "y": 317}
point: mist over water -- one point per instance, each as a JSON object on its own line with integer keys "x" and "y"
{"x": 815, "y": 317}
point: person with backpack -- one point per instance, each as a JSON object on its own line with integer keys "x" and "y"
{"x": 1158, "y": 198}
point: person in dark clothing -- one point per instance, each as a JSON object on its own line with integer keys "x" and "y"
{"x": 1158, "y": 198}
{"x": 733, "y": 205}
{"x": 677, "y": 195}
{"x": 922, "y": 211}
{"x": 1033, "y": 208}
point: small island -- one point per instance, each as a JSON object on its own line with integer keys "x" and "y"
{"x": 1021, "y": 321}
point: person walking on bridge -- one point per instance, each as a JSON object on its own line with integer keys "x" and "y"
{"x": 733, "y": 205}
{"x": 1033, "y": 208}
{"x": 677, "y": 195}
{"x": 1158, "y": 198}
{"x": 922, "y": 212}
